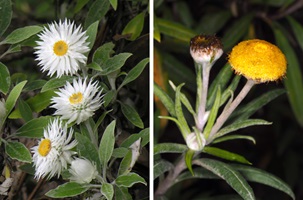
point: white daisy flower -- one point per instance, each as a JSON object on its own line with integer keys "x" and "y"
{"x": 61, "y": 49}
{"x": 77, "y": 102}
{"x": 82, "y": 171}
{"x": 53, "y": 152}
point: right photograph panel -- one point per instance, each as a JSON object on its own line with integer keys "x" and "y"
{"x": 228, "y": 87}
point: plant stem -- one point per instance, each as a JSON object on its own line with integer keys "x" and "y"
{"x": 91, "y": 133}
{"x": 227, "y": 112}
{"x": 202, "y": 105}
{"x": 169, "y": 179}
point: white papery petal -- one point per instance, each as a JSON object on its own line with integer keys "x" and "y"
{"x": 60, "y": 153}
{"x": 81, "y": 111}
{"x": 69, "y": 63}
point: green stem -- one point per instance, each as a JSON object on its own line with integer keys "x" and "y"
{"x": 100, "y": 179}
{"x": 95, "y": 185}
{"x": 91, "y": 133}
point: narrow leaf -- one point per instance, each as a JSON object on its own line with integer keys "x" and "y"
{"x": 18, "y": 151}
{"x": 199, "y": 173}
{"x": 13, "y": 96}
{"x": 35, "y": 85}
{"x": 184, "y": 100}
{"x": 114, "y": 63}
{"x": 129, "y": 180}
{"x": 135, "y": 72}
{"x": 120, "y": 152}
{"x": 40, "y": 101}
{"x": 234, "y": 137}
{"x": 230, "y": 175}
{"x": 236, "y": 31}
{"x": 161, "y": 166}
{"x": 263, "y": 177}
{"x": 92, "y": 33}
{"x": 293, "y": 82}
{"x": 21, "y": 34}
{"x": 239, "y": 125}
{"x": 103, "y": 53}
{"x": 165, "y": 99}
{"x": 179, "y": 112}
{"x": 169, "y": 148}
{"x": 188, "y": 160}
{"x": 297, "y": 29}
{"x": 230, "y": 89}
{"x": 25, "y": 110}
{"x": 213, "y": 114}
{"x": 34, "y": 128}
{"x": 121, "y": 193}
{"x": 5, "y": 79}
{"x": 134, "y": 26}
{"x": 109, "y": 96}
{"x": 55, "y": 83}
{"x": 213, "y": 21}
{"x": 87, "y": 149}
{"x": 124, "y": 167}
{"x": 69, "y": 189}
{"x": 175, "y": 30}
{"x": 36, "y": 103}
{"x": 6, "y": 15}
{"x": 178, "y": 71}
{"x": 107, "y": 143}
{"x": 107, "y": 190}
{"x": 221, "y": 80}
{"x": 131, "y": 114}
{"x": 144, "y": 135}
{"x": 100, "y": 120}
{"x": 246, "y": 111}
{"x": 114, "y": 3}
{"x": 80, "y": 4}
{"x": 96, "y": 12}
{"x": 225, "y": 155}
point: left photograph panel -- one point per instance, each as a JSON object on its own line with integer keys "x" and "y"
{"x": 74, "y": 99}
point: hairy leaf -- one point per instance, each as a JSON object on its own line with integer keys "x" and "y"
{"x": 169, "y": 148}
{"x": 69, "y": 189}
{"x": 230, "y": 175}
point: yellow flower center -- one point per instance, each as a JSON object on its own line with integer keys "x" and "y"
{"x": 60, "y": 48}
{"x": 258, "y": 60}
{"x": 44, "y": 147}
{"x": 76, "y": 98}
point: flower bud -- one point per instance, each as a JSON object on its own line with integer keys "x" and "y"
{"x": 205, "y": 48}
{"x": 82, "y": 170}
{"x": 195, "y": 141}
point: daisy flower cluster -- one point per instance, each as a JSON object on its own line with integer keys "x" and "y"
{"x": 54, "y": 152}
{"x": 62, "y": 50}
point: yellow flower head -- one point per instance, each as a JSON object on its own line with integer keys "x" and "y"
{"x": 258, "y": 60}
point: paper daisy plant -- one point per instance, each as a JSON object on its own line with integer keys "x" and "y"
{"x": 258, "y": 61}
{"x": 53, "y": 153}
{"x": 78, "y": 101}
{"x": 61, "y": 48}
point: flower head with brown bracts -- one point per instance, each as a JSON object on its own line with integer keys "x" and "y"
{"x": 205, "y": 48}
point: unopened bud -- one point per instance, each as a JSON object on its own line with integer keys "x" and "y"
{"x": 195, "y": 141}
{"x": 205, "y": 48}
